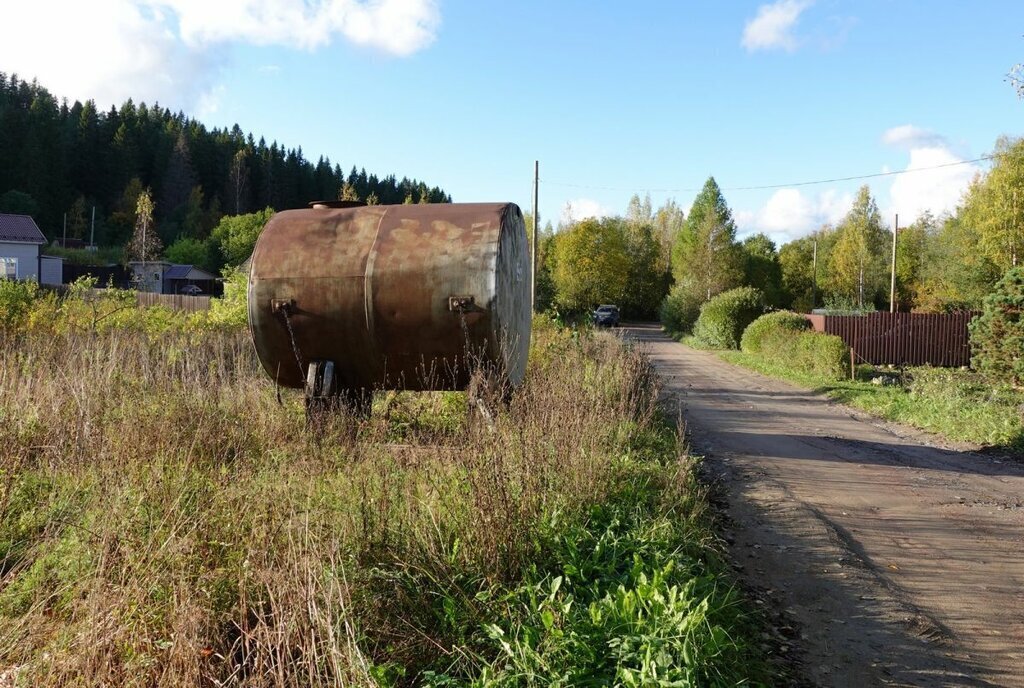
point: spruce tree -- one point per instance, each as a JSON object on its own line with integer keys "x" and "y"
{"x": 705, "y": 256}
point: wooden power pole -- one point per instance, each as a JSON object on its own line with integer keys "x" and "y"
{"x": 892, "y": 281}
{"x": 814, "y": 276}
{"x": 536, "y": 246}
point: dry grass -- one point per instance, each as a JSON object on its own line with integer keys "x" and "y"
{"x": 163, "y": 521}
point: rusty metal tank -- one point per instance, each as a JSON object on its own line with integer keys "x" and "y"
{"x": 394, "y": 297}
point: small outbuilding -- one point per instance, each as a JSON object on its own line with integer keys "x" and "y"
{"x": 51, "y": 269}
{"x": 162, "y": 277}
{"x": 188, "y": 279}
{"x": 20, "y": 239}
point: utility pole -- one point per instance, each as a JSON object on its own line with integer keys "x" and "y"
{"x": 814, "y": 276}
{"x": 892, "y": 281}
{"x": 145, "y": 226}
{"x": 65, "y": 230}
{"x": 92, "y": 230}
{"x": 1013, "y": 234}
{"x": 536, "y": 245}
{"x": 860, "y": 287}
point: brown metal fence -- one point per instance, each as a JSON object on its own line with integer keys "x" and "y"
{"x": 938, "y": 339}
{"x": 180, "y": 302}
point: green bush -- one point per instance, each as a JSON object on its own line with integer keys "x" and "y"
{"x": 679, "y": 310}
{"x": 811, "y": 353}
{"x": 80, "y": 256}
{"x": 232, "y": 309}
{"x": 821, "y": 355}
{"x": 783, "y": 339}
{"x": 237, "y": 234}
{"x": 26, "y": 308}
{"x": 16, "y": 299}
{"x": 190, "y": 251}
{"x": 770, "y": 324}
{"x": 723, "y": 318}
{"x": 997, "y": 335}
{"x": 844, "y": 304}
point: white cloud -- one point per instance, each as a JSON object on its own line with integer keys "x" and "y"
{"x": 773, "y": 26}
{"x": 209, "y": 102}
{"x": 936, "y": 190}
{"x": 170, "y": 50}
{"x": 398, "y": 27}
{"x": 790, "y": 213}
{"x": 909, "y": 136}
{"x": 933, "y": 180}
{"x": 108, "y": 50}
{"x": 582, "y": 208}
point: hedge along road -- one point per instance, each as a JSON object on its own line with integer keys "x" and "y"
{"x": 896, "y": 560}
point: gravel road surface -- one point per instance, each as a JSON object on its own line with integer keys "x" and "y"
{"x": 896, "y": 559}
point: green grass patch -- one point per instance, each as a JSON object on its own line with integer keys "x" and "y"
{"x": 957, "y": 404}
{"x": 632, "y": 594}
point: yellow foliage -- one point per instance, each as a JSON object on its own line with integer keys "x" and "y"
{"x": 85, "y": 308}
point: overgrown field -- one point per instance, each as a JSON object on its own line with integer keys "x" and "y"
{"x": 165, "y": 521}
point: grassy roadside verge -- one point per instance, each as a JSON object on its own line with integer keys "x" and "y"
{"x": 163, "y": 521}
{"x": 952, "y": 403}
{"x": 634, "y": 594}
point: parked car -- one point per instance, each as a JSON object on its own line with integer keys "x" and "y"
{"x": 191, "y": 290}
{"x": 606, "y": 315}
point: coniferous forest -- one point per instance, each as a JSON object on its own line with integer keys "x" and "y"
{"x": 62, "y": 158}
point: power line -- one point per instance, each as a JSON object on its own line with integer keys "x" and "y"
{"x": 783, "y": 186}
{"x": 863, "y": 176}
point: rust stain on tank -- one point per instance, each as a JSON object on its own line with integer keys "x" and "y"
{"x": 373, "y": 290}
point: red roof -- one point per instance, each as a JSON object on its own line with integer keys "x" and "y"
{"x": 20, "y": 228}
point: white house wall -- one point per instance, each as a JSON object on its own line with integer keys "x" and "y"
{"x": 27, "y": 255}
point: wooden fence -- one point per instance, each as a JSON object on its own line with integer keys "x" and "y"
{"x": 938, "y": 339}
{"x": 179, "y": 302}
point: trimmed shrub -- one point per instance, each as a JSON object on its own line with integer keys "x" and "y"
{"x": 769, "y": 324}
{"x": 680, "y": 309}
{"x": 821, "y": 355}
{"x": 723, "y": 318}
{"x": 997, "y": 335}
{"x": 812, "y": 353}
{"x": 784, "y": 339}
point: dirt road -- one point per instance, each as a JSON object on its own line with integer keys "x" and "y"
{"x": 898, "y": 561}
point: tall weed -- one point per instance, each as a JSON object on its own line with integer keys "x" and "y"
{"x": 164, "y": 521}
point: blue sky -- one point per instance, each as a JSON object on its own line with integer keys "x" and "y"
{"x": 612, "y": 98}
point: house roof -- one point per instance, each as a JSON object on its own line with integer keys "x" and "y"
{"x": 187, "y": 272}
{"x": 20, "y": 228}
{"x": 177, "y": 272}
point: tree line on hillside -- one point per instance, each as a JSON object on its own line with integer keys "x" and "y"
{"x": 67, "y": 158}
{"x": 648, "y": 260}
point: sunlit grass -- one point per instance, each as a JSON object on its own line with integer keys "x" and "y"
{"x": 165, "y": 521}
{"x": 954, "y": 403}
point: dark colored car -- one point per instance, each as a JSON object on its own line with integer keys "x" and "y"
{"x": 606, "y": 316}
